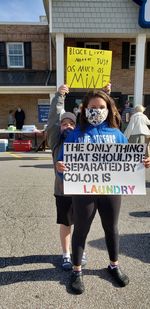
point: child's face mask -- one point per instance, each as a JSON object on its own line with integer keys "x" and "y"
{"x": 65, "y": 132}
{"x": 96, "y": 116}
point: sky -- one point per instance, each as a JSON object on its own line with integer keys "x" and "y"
{"x": 21, "y": 10}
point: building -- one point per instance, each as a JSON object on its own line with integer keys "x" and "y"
{"x": 31, "y": 54}
{"x": 122, "y": 26}
{"x": 26, "y": 79}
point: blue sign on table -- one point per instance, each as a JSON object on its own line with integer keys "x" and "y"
{"x": 43, "y": 111}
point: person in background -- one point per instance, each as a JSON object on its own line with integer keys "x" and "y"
{"x": 11, "y": 118}
{"x": 77, "y": 111}
{"x": 147, "y": 111}
{"x": 99, "y": 122}
{"x": 11, "y": 121}
{"x": 20, "y": 117}
{"x": 126, "y": 115}
{"x": 60, "y": 123}
{"x": 137, "y": 130}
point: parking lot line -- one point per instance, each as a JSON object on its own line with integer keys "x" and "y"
{"x": 14, "y": 155}
{"x": 22, "y": 156}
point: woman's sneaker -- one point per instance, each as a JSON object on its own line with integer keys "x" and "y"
{"x": 76, "y": 282}
{"x": 66, "y": 263}
{"x": 118, "y": 276}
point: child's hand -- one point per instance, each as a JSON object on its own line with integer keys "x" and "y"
{"x": 60, "y": 166}
{"x": 63, "y": 89}
{"x": 146, "y": 162}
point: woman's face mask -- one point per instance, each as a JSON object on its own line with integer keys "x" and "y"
{"x": 96, "y": 116}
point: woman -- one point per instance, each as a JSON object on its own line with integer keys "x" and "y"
{"x": 99, "y": 122}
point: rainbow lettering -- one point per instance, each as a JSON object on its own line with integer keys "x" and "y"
{"x": 109, "y": 189}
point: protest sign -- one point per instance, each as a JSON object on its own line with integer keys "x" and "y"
{"x": 115, "y": 169}
{"x": 88, "y": 68}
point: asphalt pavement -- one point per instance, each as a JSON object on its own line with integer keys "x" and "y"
{"x": 30, "y": 252}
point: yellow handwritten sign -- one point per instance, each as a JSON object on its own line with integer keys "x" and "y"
{"x": 88, "y": 68}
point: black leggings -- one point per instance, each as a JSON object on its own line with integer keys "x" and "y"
{"x": 84, "y": 209}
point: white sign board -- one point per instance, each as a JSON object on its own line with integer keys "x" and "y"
{"x": 115, "y": 169}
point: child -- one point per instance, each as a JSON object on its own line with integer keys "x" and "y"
{"x": 60, "y": 123}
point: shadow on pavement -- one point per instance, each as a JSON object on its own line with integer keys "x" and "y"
{"x": 46, "y": 274}
{"x": 140, "y": 214}
{"x": 132, "y": 245}
{"x": 39, "y": 166}
{"x": 147, "y": 184}
{"x": 31, "y": 259}
{"x": 23, "y": 158}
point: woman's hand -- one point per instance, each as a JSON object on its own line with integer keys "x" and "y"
{"x": 60, "y": 167}
{"x": 63, "y": 89}
{"x": 146, "y": 162}
{"x": 107, "y": 88}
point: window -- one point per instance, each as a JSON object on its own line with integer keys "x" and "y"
{"x": 95, "y": 45}
{"x": 132, "y": 55}
{"x": 92, "y": 45}
{"x": 15, "y": 55}
{"x": 131, "y": 98}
